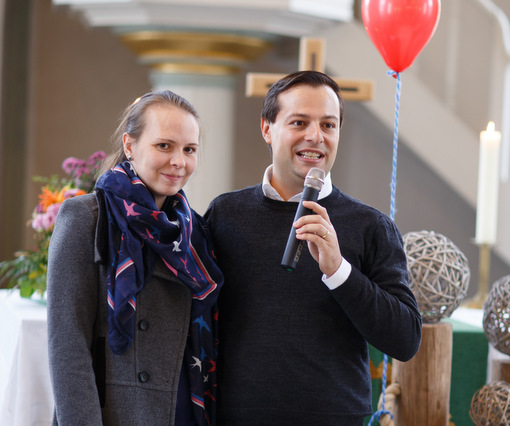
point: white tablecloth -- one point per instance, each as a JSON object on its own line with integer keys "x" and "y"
{"x": 25, "y": 389}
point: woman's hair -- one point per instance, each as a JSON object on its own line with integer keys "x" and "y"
{"x": 271, "y": 105}
{"x": 133, "y": 122}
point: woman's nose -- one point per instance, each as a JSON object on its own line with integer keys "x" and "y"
{"x": 178, "y": 160}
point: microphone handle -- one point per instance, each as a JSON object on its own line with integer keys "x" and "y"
{"x": 294, "y": 246}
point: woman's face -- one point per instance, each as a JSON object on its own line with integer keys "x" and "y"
{"x": 165, "y": 154}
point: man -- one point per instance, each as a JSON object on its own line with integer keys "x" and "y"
{"x": 293, "y": 345}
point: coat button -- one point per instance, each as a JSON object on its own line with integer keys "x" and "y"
{"x": 144, "y": 377}
{"x": 143, "y": 325}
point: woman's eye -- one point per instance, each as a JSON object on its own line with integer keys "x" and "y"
{"x": 163, "y": 145}
{"x": 190, "y": 150}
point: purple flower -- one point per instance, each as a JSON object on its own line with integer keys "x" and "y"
{"x": 45, "y": 221}
{"x": 96, "y": 158}
{"x": 83, "y": 172}
{"x": 70, "y": 164}
{"x": 37, "y": 222}
{"x": 79, "y": 172}
{"x": 39, "y": 208}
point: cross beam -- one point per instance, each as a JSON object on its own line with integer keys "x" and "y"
{"x": 311, "y": 57}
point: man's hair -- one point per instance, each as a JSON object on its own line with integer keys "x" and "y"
{"x": 271, "y": 106}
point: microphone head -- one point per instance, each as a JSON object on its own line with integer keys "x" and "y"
{"x": 315, "y": 178}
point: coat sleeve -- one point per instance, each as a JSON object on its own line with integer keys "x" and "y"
{"x": 377, "y": 297}
{"x": 72, "y": 291}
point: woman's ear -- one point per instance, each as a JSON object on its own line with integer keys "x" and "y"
{"x": 127, "y": 141}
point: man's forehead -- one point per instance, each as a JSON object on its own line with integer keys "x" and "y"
{"x": 305, "y": 116}
{"x": 314, "y": 94}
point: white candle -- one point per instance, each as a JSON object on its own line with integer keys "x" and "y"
{"x": 488, "y": 186}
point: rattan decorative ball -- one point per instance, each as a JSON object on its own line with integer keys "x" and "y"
{"x": 496, "y": 315}
{"x": 438, "y": 273}
{"x": 490, "y": 405}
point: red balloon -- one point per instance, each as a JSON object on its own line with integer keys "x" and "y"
{"x": 400, "y": 29}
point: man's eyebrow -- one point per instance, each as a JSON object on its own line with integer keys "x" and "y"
{"x": 326, "y": 117}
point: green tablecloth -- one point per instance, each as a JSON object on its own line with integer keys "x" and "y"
{"x": 469, "y": 370}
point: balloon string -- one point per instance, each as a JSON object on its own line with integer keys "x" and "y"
{"x": 395, "y": 144}
{"x": 377, "y": 415}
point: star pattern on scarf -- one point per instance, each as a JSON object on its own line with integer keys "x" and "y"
{"x": 130, "y": 209}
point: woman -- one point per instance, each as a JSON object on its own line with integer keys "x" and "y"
{"x": 132, "y": 283}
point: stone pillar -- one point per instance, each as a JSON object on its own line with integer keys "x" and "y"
{"x": 213, "y": 97}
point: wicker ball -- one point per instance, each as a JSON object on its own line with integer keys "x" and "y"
{"x": 439, "y": 274}
{"x": 490, "y": 405}
{"x": 496, "y": 315}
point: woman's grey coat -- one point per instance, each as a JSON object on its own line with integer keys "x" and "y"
{"x": 136, "y": 387}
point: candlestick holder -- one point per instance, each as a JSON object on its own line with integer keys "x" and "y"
{"x": 484, "y": 263}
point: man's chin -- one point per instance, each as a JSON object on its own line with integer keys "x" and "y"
{"x": 317, "y": 165}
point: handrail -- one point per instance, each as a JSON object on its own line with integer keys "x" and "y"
{"x": 503, "y": 21}
{"x": 504, "y": 24}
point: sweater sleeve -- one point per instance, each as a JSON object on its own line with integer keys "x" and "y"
{"x": 72, "y": 307}
{"x": 377, "y": 298}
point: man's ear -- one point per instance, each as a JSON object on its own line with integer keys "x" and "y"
{"x": 265, "y": 127}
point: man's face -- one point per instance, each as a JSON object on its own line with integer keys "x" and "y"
{"x": 305, "y": 134}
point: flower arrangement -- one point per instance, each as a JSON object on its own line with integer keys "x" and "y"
{"x": 27, "y": 271}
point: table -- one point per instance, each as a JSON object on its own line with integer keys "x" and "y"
{"x": 469, "y": 362}
{"x": 26, "y": 397}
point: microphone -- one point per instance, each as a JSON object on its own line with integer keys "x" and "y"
{"x": 313, "y": 185}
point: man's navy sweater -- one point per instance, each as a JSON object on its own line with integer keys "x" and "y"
{"x": 292, "y": 351}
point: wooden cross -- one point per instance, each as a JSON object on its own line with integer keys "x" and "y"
{"x": 311, "y": 57}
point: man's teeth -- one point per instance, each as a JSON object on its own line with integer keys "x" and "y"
{"x": 310, "y": 155}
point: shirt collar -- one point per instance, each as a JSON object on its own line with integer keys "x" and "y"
{"x": 272, "y": 193}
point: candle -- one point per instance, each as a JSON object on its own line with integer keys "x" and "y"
{"x": 488, "y": 186}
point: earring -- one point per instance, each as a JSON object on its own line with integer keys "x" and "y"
{"x": 131, "y": 165}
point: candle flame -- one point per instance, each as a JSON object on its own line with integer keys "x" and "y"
{"x": 491, "y": 126}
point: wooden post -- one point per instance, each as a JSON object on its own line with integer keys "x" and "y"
{"x": 425, "y": 380}
{"x": 504, "y": 371}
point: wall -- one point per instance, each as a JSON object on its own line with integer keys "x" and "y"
{"x": 13, "y": 118}
{"x": 80, "y": 81}
{"x": 423, "y": 200}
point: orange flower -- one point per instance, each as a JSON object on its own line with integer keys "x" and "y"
{"x": 73, "y": 192}
{"x": 47, "y": 198}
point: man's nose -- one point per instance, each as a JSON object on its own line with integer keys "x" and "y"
{"x": 314, "y": 133}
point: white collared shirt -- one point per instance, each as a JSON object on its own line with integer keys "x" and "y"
{"x": 272, "y": 193}
{"x": 343, "y": 272}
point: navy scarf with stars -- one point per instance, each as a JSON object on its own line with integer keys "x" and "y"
{"x": 177, "y": 236}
